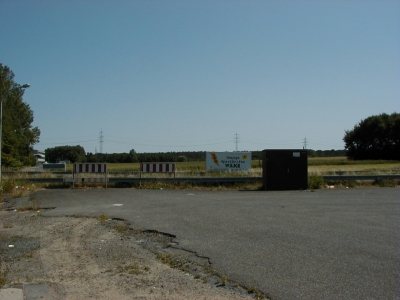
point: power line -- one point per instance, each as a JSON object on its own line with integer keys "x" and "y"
{"x": 68, "y": 142}
{"x": 163, "y": 145}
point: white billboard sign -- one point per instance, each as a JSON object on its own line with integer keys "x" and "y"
{"x": 228, "y": 161}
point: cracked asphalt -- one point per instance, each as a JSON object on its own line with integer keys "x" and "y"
{"x": 328, "y": 244}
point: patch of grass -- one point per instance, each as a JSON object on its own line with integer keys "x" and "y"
{"x": 174, "y": 261}
{"x": 63, "y": 185}
{"x": 27, "y": 255}
{"x": 132, "y": 269}
{"x": 8, "y": 186}
{"x": 386, "y": 183}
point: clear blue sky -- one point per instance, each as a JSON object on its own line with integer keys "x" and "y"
{"x": 159, "y": 76}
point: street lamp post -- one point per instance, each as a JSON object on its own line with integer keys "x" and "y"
{"x": 2, "y": 97}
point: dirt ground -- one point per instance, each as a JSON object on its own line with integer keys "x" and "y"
{"x": 98, "y": 258}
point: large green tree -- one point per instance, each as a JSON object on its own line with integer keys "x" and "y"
{"x": 72, "y": 153}
{"x": 376, "y": 137}
{"x": 18, "y": 135}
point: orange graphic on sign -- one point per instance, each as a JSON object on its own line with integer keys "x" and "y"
{"x": 214, "y": 158}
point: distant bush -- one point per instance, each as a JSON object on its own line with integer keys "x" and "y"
{"x": 315, "y": 182}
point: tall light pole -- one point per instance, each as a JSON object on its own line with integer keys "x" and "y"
{"x": 2, "y": 97}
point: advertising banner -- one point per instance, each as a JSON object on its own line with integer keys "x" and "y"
{"x": 228, "y": 161}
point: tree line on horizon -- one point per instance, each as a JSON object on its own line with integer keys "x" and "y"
{"x": 76, "y": 154}
{"x": 374, "y": 138}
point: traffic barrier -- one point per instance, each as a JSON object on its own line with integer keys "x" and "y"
{"x": 100, "y": 168}
{"x": 157, "y": 168}
{"x": 90, "y": 168}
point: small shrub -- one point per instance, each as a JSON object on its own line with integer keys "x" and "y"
{"x": 315, "y": 182}
{"x": 8, "y": 186}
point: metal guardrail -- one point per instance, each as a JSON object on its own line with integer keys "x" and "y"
{"x": 219, "y": 179}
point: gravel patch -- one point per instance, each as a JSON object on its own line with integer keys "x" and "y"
{"x": 78, "y": 258}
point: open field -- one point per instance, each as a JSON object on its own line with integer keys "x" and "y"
{"x": 316, "y": 165}
{"x": 342, "y": 166}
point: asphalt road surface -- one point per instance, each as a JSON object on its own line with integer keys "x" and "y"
{"x": 328, "y": 244}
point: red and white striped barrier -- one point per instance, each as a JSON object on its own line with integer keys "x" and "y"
{"x": 90, "y": 168}
{"x": 157, "y": 167}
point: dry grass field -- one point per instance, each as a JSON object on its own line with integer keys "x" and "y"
{"x": 341, "y": 166}
{"x": 316, "y": 165}
{"x": 16, "y": 185}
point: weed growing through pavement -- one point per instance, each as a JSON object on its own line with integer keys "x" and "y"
{"x": 122, "y": 228}
{"x": 3, "y": 269}
{"x": 131, "y": 269}
{"x": 174, "y": 261}
{"x": 3, "y": 275}
{"x": 103, "y": 218}
{"x": 224, "y": 280}
{"x": 257, "y": 294}
{"x": 24, "y": 256}
{"x": 8, "y": 225}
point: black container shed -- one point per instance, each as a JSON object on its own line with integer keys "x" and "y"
{"x": 285, "y": 169}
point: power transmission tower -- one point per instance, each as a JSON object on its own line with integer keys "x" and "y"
{"x": 305, "y": 143}
{"x": 101, "y": 141}
{"x": 236, "y": 140}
